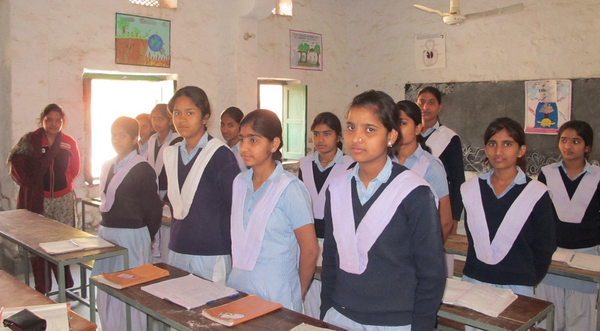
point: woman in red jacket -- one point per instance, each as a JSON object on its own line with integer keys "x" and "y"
{"x": 44, "y": 163}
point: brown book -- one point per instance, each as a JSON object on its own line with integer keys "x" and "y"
{"x": 131, "y": 277}
{"x": 241, "y": 310}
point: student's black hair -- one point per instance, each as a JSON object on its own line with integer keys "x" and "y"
{"x": 267, "y": 124}
{"x": 130, "y": 125}
{"x": 198, "y": 97}
{"x": 332, "y": 121}
{"x": 514, "y": 130}
{"x": 234, "y": 112}
{"x": 414, "y": 113}
{"x": 430, "y": 89}
{"x": 386, "y": 110}
{"x": 583, "y": 129}
{"x": 53, "y": 107}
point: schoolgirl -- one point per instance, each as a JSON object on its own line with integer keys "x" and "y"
{"x": 445, "y": 145}
{"x": 200, "y": 172}
{"x": 146, "y": 131}
{"x": 383, "y": 265}
{"x": 230, "y": 129}
{"x": 509, "y": 220}
{"x": 274, "y": 246}
{"x": 574, "y": 184}
{"x": 414, "y": 154}
{"x": 131, "y": 215}
{"x": 162, "y": 124}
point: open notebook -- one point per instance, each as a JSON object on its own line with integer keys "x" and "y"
{"x": 483, "y": 298}
{"x": 74, "y": 245}
{"x": 577, "y": 260}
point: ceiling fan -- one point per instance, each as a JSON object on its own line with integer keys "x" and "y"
{"x": 454, "y": 17}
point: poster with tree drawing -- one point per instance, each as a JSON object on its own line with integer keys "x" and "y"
{"x": 547, "y": 105}
{"x": 142, "y": 41}
{"x": 306, "y": 50}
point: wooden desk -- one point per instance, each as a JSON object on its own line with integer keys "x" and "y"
{"x": 14, "y": 293}
{"x": 28, "y": 230}
{"x": 189, "y": 320}
{"x": 519, "y": 316}
{"x": 458, "y": 244}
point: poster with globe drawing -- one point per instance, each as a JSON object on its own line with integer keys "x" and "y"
{"x": 142, "y": 41}
{"x": 547, "y": 105}
{"x": 306, "y": 50}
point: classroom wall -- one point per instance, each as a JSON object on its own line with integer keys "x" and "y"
{"x": 46, "y": 44}
{"x": 549, "y": 40}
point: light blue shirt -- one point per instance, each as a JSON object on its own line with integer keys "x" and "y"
{"x": 120, "y": 164}
{"x": 431, "y": 129}
{"x": 338, "y": 158}
{"x": 187, "y": 157}
{"x": 520, "y": 179}
{"x": 236, "y": 152}
{"x": 365, "y": 193}
{"x": 275, "y": 275}
{"x": 435, "y": 174}
{"x": 586, "y": 168}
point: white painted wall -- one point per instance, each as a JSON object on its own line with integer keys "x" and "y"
{"x": 46, "y": 44}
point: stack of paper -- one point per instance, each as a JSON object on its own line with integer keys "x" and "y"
{"x": 577, "y": 260}
{"x": 483, "y": 298}
{"x": 131, "y": 277}
{"x": 55, "y": 315}
{"x": 73, "y": 245}
{"x": 241, "y": 310}
{"x": 190, "y": 291}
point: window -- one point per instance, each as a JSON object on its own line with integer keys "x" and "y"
{"x": 107, "y": 97}
{"x": 288, "y": 100}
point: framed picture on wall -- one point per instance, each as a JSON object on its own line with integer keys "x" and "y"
{"x": 547, "y": 105}
{"x": 306, "y": 50}
{"x": 142, "y": 41}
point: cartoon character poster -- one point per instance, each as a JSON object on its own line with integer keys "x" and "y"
{"x": 547, "y": 105}
{"x": 142, "y": 41}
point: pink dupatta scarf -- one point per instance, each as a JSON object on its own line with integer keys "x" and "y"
{"x": 518, "y": 213}
{"x": 571, "y": 210}
{"x": 247, "y": 242}
{"x": 108, "y": 198}
{"x": 318, "y": 199}
{"x": 354, "y": 243}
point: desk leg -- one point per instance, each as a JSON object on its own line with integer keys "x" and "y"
{"x": 149, "y": 323}
{"x": 48, "y": 279}
{"x": 550, "y": 320}
{"x": 26, "y": 266}
{"x": 92, "y": 303}
{"x": 598, "y": 312}
{"x": 83, "y": 281}
{"x": 128, "y": 317}
{"x": 62, "y": 290}
{"x": 82, "y": 215}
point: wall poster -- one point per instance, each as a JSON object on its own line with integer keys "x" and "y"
{"x": 430, "y": 51}
{"x": 306, "y": 50}
{"x": 547, "y": 105}
{"x": 143, "y": 41}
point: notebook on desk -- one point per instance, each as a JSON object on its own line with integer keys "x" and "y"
{"x": 131, "y": 277}
{"x": 241, "y": 310}
{"x": 74, "y": 245}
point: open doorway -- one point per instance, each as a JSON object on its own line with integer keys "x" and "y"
{"x": 288, "y": 100}
{"x": 108, "y": 96}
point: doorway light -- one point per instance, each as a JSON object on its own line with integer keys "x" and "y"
{"x": 283, "y": 8}
{"x": 156, "y": 3}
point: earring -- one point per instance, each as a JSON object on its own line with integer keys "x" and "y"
{"x": 389, "y": 144}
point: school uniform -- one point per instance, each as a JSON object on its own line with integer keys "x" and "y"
{"x": 199, "y": 189}
{"x": 383, "y": 265}
{"x": 238, "y": 157}
{"x": 446, "y": 146}
{"x": 143, "y": 148}
{"x": 264, "y": 246}
{"x": 155, "y": 157}
{"x": 131, "y": 215}
{"x": 316, "y": 181}
{"x": 518, "y": 223}
{"x": 429, "y": 168}
{"x": 577, "y": 219}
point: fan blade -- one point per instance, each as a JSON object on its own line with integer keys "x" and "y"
{"x": 497, "y": 11}
{"x": 435, "y": 11}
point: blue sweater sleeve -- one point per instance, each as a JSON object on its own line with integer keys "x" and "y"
{"x": 452, "y": 159}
